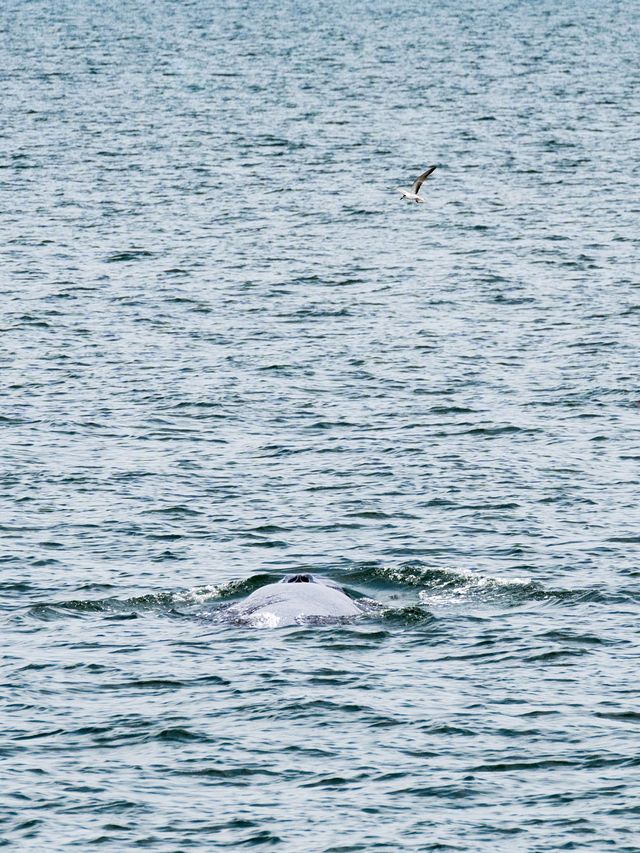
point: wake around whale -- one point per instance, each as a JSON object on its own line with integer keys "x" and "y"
{"x": 296, "y": 599}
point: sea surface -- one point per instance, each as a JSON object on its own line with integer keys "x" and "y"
{"x": 230, "y": 351}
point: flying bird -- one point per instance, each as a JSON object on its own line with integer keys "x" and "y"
{"x": 412, "y": 195}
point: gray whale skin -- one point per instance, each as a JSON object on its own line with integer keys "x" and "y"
{"x": 294, "y": 600}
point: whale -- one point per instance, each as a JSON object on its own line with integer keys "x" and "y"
{"x": 297, "y": 599}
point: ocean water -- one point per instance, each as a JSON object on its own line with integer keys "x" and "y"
{"x": 229, "y": 351}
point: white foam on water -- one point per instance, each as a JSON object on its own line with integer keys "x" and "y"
{"x": 199, "y": 594}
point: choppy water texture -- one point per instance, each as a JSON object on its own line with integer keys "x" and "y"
{"x": 230, "y": 351}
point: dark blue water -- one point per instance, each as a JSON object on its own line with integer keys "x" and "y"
{"x": 229, "y": 351}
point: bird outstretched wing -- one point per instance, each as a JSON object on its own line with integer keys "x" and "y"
{"x": 420, "y": 180}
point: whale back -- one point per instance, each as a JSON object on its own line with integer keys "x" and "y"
{"x": 294, "y": 600}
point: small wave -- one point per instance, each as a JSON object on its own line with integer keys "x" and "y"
{"x": 127, "y": 607}
{"x": 198, "y": 595}
{"x": 443, "y": 586}
{"x": 133, "y": 254}
{"x": 465, "y": 583}
{"x": 411, "y": 615}
{"x": 176, "y": 602}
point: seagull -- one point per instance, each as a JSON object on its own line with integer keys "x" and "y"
{"x": 412, "y": 195}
